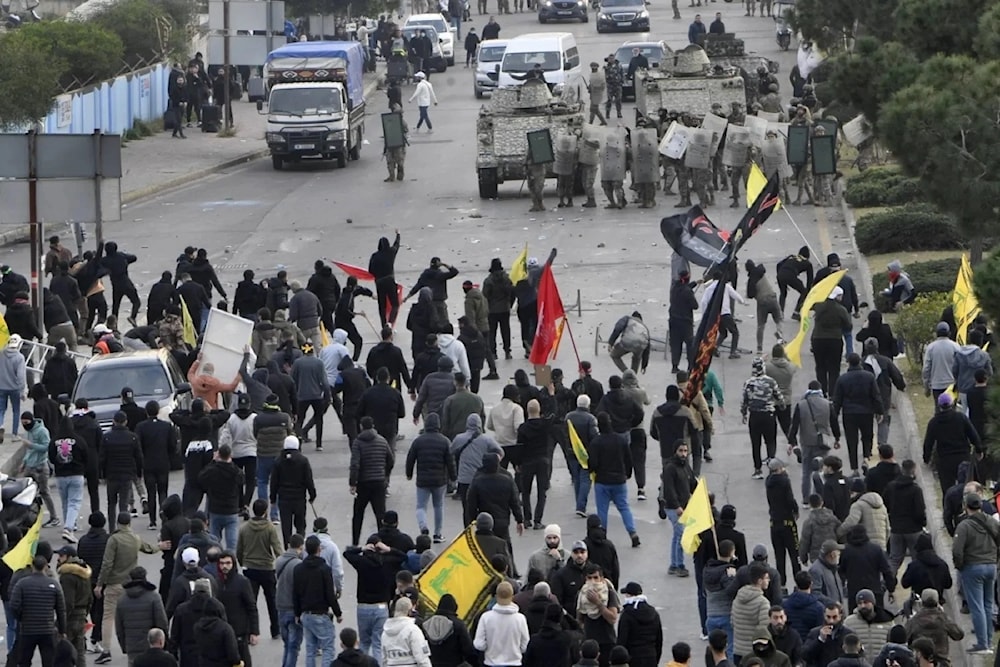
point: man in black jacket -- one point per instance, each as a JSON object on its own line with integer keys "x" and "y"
{"x": 291, "y": 480}
{"x": 371, "y": 463}
{"x": 384, "y": 404}
{"x": 430, "y": 455}
{"x": 493, "y": 491}
{"x": 678, "y": 483}
{"x": 162, "y": 295}
{"x": 680, "y": 319}
{"x": 195, "y": 298}
{"x": 612, "y": 462}
{"x": 437, "y": 280}
{"x": 158, "y": 441}
{"x": 624, "y": 412}
{"x": 120, "y": 462}
{"x": 639, "y": 628}
{"x": 389, "y": 356}
{"x": 885, "y": 471}
{"x": 34, "y": 601}
{"x": 904, "y": 499}
{"x": 121, "y": 284}
{"x": 567, "y": 580}
{"x": 949, "y": 435}
{"x": 90, "y": 549}
{"x": 314, "y": 597}
{"x": 382, "y": 266}
{"x": 534, "y": 437}
{"x": 324, "y": 284}
{"x": 237, "y": 597}
{"x": 783, "y": 510}
{"x": 377, "y": 564}
{"x": 825, "y": 643}
{"x": 223, "y": 482}
{"x": 857, "y": 397}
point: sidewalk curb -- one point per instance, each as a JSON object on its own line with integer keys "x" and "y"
{"x": 22, "y": 233}
{"x": 925, "y": 476}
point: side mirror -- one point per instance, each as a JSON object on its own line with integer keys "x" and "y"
{"x": 496, "y": 68}
{"x": 182, "y": 388}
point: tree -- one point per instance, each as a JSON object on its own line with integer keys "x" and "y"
{"x": 987, "y": 42}
{"x": 930, "y": 27}
{"x": 145, "y": 30}
{"x": 29, "y": 81}
{"x": 87, "y": 52}
{"x": 832, "y": 25}
{"x": 867, "y": 77}
{"x": 944, "y": 130}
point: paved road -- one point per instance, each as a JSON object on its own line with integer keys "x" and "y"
{"x": 256, "y": 218}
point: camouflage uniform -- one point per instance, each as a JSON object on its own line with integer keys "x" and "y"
{"x": 614, "y": 162}
{"x": 683, "y": 183}
{"x": 565, "y": 168}
{"x": 701, "y": 181}
{"x": 395, "y": 157}
{"x": 803, "y": 175}
{"x": 597, "y": 87}
{"x": 589, "y": 156}
{"x": 718, "y": 169}
{"x": 171, "y": 332}
{"x": 822, "y": 183}
{"x": 614, "y": 76}
{"x": 739, "y": 177}
{"x": 645, "y": 165}
{"x": 536, "y": 186}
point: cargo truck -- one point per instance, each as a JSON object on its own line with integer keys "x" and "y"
{"x": 315, "y": 102}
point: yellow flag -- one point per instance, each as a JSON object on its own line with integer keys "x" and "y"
{"x": 964, "y": 302}
{"x": 756, "y": 181}
{"x": 463, "y": 571}
{"x": 582, "y": 457}
{"x": 24, "y": 550}
{"x": 519, "y": 269}
{"x": 324, "y": 338}
{"x": 697, "y": 517}
{"x": 190, "y": 335}
{"x": 4, "y": 332}
{"x": 819, "y": 291}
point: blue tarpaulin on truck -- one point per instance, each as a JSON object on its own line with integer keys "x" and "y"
{"x": 351, "y": 52}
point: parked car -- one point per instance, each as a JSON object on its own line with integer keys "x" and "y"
{"x": 437, "y": 62}
{"x": 655, "y": 52}
{"x": 445, "y": 32}
{"x": 489, "y": 55}
{"x": 615, "y": 15}
{"x": 558, "y": 10}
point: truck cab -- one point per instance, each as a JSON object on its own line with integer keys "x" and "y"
{"x": 315, "y": 102}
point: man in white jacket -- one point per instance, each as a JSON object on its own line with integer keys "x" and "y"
{"x": 502, "y": 634}
{"x": 403, "y": 643}
{"x": 424, "y": 95}
{"x": 454, "y": 349}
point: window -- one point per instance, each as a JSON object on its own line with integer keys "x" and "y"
{"x": 523, "y": 62}
{"x": 654, "y": 54}
{"x": 491, "y": 54}
{"x": 102, "y": 382}
{"x": 572, "y": 57}
{"x": 305, "y": 101}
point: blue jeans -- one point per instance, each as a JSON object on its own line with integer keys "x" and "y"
{"x": 977, "y": 585}
{"x": 581, "y": 484}
{"x": 371, "y": 618}
{"x": 14, "y": 396}
{"x": 264, "y": 466}
{"x": 71, "y": 498}
{"x": 291, "y": 636}
{"x": 722, "y": 623}
{"x": 605, "y": 494}
{"x": 848, "y": 342}
{"x": 436, "y": 495}
{"x": 424, "y": 118}
{"x": 317, "y": 629}
{"x": 11, "y": 636}
{"x": 676, "y": 552}
{"x": 219, "y": 524}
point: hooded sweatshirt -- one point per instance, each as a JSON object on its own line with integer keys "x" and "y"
{"x": 258, "y": 545}
{"x": 238, "y": 433}
{"x": 782, "y": 370}
{"x": 887, "y": 344}
{"x": 640, "y": 629}
{"x": 502, "y": 634}
{"x": 820, "y": 525}
{"x": 12, "y": 370}
{"x": 968, "y": 360}
{"x": 975, "y": 543}
{"x": 333, "y": 354}
{"x": 927, "y": 570}
{"x": 469, "y": 447}
{"x": 383, "y": 261}
{"x": 454, "y": 349}
{"x": 403, "y": 644}
{"x": 430, "y": 456}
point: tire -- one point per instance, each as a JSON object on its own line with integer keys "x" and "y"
{"x": 599, "y": 29}
{"x": 355, "y": 152}
{"x": 586, "y": 19}
{"x": 277, "y": 162}
{"x": 342, "y": 161}
{"x": 451, "y": 62}
{"x": 487, "y": 183}
{"x": 478, "y": 93}
{"x": 542, "y": 21}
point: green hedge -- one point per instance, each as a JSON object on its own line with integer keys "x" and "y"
{"x": 882, "y": 186}
{"x": 914, "y": 227}
{"x": 934, "y": 277}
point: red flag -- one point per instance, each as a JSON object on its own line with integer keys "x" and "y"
{"x": 550, "y": 310}
{"x": 355, "y": 271}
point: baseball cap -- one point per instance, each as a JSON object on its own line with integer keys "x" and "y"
{"x": 942, "y": 329}
{"x": 67, "y": 550}
{"x": 829, "y": 546}
{"x": 972, "y": 501}
{"x": 760, "y": 552}
{"x": 632, "y": 588}
{"x": 579, "y": 545}
{"x": 190, "y": 555}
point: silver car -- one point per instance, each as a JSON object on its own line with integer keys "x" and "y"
{"x": 488, "y": 58}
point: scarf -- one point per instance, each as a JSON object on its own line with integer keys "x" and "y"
{"x": 634, "y": 600}
{"x": 872, "y": 362}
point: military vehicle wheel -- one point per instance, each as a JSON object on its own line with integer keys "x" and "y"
{"x": 487, "y": 183}
{"x": 277, "y": 163}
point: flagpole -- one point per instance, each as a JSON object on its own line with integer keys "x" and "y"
{"x": 579, "y": 364}
{"x": 796, "y": 225}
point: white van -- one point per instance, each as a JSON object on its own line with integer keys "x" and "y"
{"x": 556, "y": 52}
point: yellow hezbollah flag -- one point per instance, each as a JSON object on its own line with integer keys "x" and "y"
{"x": 964, "y": 302}
{"x": 519, "y": 269}
{"x": 190, "y": 335}
{"x": 463, "y": 571}
{"x": 4, "y": 332}
{"x": 756, "y": 182}
{"x": 697, "y": 517}
{"x": 582, "y": 457}
{"x": 324, "y": 338}
{"x": 819, "y": 291}
{"x": 22, "y": 553}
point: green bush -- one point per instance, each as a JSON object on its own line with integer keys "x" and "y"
{"x": 882, "y": 186}
{"x": 914, "y": 227}
{"x": 916, "y": 321}
{"x": 87, "y": 52}
{"x": 144, "y": 27}
{"x": 29, "y": 80}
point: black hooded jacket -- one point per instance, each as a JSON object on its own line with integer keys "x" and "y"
{"x": 175, "y": 526}
{"x": 904, "y": 499}
{"x": 158, "y": 442}
{"x": 863, "y": 564}
{"x": 383, "y": 261}
{"x": 292, "y": 477}
{"x": 641, "y": 631}
{"x": 448, "y": 638}
{"x": 683, "y": 303}
{"x": 117, "y": 264}
{"x": 388, "y": 356}
{"x": 326, "y": 287}
{"x": 927, "y": 570}
{"x": 625, "y": 413}
{"x": 430, "y": 456}
{"x": 493, "y": 491}
{"x": 888, "y": 346}
{"x": 601, "y": 550}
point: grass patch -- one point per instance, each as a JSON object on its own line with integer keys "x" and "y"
{"x": 227, "y": 133}
{"x": 923, "y": 406}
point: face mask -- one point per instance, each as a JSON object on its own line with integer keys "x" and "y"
{"x": 761, "y": 649}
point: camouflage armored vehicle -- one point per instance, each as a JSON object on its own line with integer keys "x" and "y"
{"x": 503, "y": 125}
{"x": 691, "y": 85}
{"x": 728, "y": 51}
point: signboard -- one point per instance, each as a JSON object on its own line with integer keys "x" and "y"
{"x": 64, "y": 108}
{"x": 675, "y": 141}
{"x": 60, "y": 200}
{"x": 255, "y": 28}
{"x": 226, "y": 335}
{"x": 540, "y": 147}
{"x": 716, "y": 125}
{"x": 392, "y": 130}
{"x": 824, "y": 155}
{"x": 798, "y": 144}
{"x": 60, "y": 155}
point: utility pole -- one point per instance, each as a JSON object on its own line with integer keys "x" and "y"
{"x": 226, "y": 99}
{"x": 35, "y": 226}
{"x": 98, "y": 181}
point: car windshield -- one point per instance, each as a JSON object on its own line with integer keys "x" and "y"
{"x": 654, "y": 54}
{"x": 491, "y": 54}
{"x": 438, "y": 24}
{"x": 524, "y": 62}
{"x": 102, "y": 382}
{"x": 431, "y": 33}
{"x": 305, "y": 101}
{"x": 621, "y": 3}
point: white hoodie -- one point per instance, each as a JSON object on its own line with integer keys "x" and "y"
{"x": 454, "y": 349}
{"x": 502, "y": 635}
{"x": 332, "y": 354}
{"x": 403, "y": 644}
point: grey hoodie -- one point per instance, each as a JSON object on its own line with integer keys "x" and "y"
{"x": 782, "y": 370}
{"x": 630, "y": 385}
{"x": 284, "y": 567}
{"x": 968, "y": 360}
{"x": 468, "y": 449}
{"x": 12, "y": 371}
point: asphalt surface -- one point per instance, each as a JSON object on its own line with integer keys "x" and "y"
{"x": 617, "y": 261}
